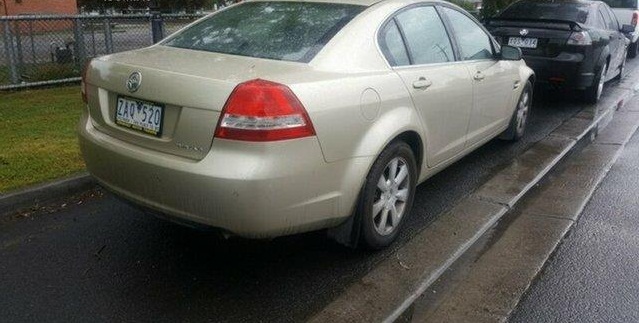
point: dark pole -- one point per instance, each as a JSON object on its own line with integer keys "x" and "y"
{"x": 6, "y": 9}
{"x": 157, "y": 25}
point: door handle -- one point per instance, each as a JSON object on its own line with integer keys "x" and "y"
{"x": 422, "y": 83}
{"x": 479, "y": 76}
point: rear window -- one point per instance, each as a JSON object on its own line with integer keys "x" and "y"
{"x": 631, "y": 4}
{"x": 571, "y": 11}
{"x": 290, "y": 31}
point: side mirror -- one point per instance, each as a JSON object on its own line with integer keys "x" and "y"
{"x": 627, "y": 29}
{"x": 511, "y": 53}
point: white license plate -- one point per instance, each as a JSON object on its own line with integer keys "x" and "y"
{"x": 139, "y": 115}
{"x": 523, "y": 42}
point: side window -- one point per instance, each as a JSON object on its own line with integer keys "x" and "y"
{"x": 473, "y": 42}
{"x": 392, "y": 45}
{"x": 601, "y": 21}
{"x": 426, "y": 37}
{"x": 613, "y": 19}
{"x": 610, "y": 24}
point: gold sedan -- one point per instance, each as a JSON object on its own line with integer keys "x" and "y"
{"x": 271, "y": 118}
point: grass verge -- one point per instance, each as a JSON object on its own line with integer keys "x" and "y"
{"x": 37, "y": 136}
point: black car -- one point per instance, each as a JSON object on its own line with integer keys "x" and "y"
{"x": 572, "y": 44}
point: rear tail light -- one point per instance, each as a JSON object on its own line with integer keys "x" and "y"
{"x": 635, "y": 18}
{"x": 580, "y": 38}
{"x": 260, "y": 110}
{"x": 83, "y": 84}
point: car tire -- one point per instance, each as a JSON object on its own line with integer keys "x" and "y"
{"x": 622, "y": 69}
{"x": 384, "y": 204}
{"x": 519, "y": 120}
{"x": 592, "y": 94}
{"x": 632, "y": 49}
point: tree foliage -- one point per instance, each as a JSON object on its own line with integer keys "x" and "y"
{"x": 164, "y": 5}
{"x": 467, "y": 5}
{"x": 493, "y": 7}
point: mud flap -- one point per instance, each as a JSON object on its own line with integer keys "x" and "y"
{"x": 347, "y": 233}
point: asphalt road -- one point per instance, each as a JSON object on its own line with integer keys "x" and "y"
{"x": 98, "y": 259}
{"x": 593, "y": 274}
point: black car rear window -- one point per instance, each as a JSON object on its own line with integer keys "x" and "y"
{"x": 559, "y": 10}
{"x": 290, "y": 31}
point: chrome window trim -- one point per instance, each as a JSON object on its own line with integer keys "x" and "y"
{"x": 452, "y": 39}
{"x": 392, "y": 16}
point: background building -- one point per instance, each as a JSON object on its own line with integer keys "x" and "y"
{"x": 37, "y": 7}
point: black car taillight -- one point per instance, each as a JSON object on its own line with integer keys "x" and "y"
{"x": 579, "y": 38}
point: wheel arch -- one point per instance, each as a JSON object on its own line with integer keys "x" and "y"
{"x": 399, "y": 123}
{"x": 414, "y": 140}
{"x": 348, "y": 233}
{"x": 533, "y": 79}
{"x": 604, "y": 57}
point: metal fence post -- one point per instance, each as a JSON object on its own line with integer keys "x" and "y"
{"x": 32, "y": 38}
{"x": 93, "y": 46}
{"x": 27, "y": 43}
{"x": 157, "y": 26}
{"x": 108, "y": 36}
{"x": 8, "y": 48}
{"x": 17, "y": 33}
{"x": 78, "y": 36}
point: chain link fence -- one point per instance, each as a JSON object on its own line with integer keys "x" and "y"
{"x": 41, "y": 50}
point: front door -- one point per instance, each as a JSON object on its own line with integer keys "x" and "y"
{"x": 493, "y": 79}
{"x": 617, "y": 41}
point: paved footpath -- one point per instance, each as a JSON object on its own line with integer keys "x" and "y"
{"x": 594, "y": 274}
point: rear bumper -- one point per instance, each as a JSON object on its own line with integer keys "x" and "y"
{"x": 250, "y": 190}
{"x": 567, "y": 70}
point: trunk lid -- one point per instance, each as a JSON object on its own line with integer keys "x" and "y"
{"x": 192, "y": 86}
{"x": 551, "y": 35}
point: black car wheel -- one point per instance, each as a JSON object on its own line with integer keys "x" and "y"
{"x": 592, "y": 94}
{"x": 518, "y": 122}
{"x": 632, "y": 49}
{"x": 622, "y": 70}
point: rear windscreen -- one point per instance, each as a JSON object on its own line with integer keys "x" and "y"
{"x": 290, "y": 31}
{"x": 631, "y": 4}
{"x": 571, "y": 11}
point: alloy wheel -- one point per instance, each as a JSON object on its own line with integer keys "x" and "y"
{"x": 522, "y": 112}
{"x": 391, "y": 196}
{"x": 602, "y": 80}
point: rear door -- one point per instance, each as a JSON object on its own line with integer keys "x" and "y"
{"x": 493, "y": 79}
{"x": 420, "y": 51}
{"x": 617, "y": 40}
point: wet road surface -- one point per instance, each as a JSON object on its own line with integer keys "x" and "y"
{"x": 97, "y": 258}
{"x": 593, "y": 274}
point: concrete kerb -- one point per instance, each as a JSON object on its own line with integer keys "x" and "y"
{"x": 30, "y": 197}
{"x": 497, "y": 280}
{"x": 388, "y": 290}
